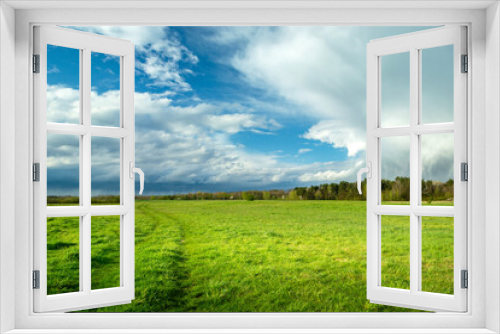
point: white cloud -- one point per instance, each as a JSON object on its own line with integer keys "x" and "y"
{"x": 395, "y": 157}
{"x": 208, "y": 158}
{"x": 304, "y": 150}
{"x": 233, "y": 123}
{"x": 156, "y": 112}
{"x": 105, "y": 108}
{"x": 53, "y": 69}
{"x": 159, "y": 53}
{"x": 437, "y": 156}
{"x": 338, "y": 135}
{"x": 192, "y": 144}
{"x": 328, "y": 176}
{"x": 315, "y": 68}
{"x": 318, "y": 71}
{"x": 63, "y": 104}
{"x": 105, "y": 160}
{"x": 436, "y": 153}
{"x": 229, "y": 35}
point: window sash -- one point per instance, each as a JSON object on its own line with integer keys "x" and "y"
{"x": 86, "y": 298}
{"x": 414, "y": 298}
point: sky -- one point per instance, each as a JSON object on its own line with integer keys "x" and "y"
{"x": 242, "y": 108}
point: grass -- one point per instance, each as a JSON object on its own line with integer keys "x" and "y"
{"x": 259, "y": 256}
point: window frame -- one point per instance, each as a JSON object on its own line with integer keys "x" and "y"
{"x": 86, "y": 44}
{"x": 477, "y": 315}
{"x": 414, "y": 44}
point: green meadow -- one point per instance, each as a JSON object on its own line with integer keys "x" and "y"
{"x": 250, "y": 256}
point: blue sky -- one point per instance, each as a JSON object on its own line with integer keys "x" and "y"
{"x": 235, "y": 108}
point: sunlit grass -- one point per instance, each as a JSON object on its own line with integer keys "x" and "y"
{"x": 260, "y": 256}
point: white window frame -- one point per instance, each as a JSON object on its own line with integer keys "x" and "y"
{"x": 413, "y": 44}
{"x": 85, "y": 43}
{"x": 483, "y": 212}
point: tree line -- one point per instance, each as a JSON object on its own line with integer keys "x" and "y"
{"x": 392, "y": 190}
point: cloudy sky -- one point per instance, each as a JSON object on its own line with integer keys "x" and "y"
{"x": 235, "y": 108}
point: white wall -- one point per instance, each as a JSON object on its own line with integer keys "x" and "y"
{"x": 492, "y": 165}
{"x": 252, "y": 16}
{"x": 7, "y": 160}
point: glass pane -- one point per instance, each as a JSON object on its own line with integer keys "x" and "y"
{"x": 63, "y": 255}
{"x": 437, "y": 84}
{"x": 105, "y": 96}
{"x": 395, "y": 170}
{"x": 105, "y": 252}
{"x": 63, "y": 85}
{"x": 105, "y": 170}
{"x": 395, "y": 90}
{"x": 437, "y": 254}
{"x": 395, "y": 252}
{"x": 63, "y": 169}
{"x": 437, "y": 169}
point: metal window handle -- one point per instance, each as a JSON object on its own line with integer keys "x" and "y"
{"x": 139, "y": 171}
{"x": 368, "y": 171}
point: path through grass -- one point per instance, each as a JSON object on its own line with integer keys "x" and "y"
{"x": 262, "y": 256}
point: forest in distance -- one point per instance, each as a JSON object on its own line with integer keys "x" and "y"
{"x": 392, "y": 190}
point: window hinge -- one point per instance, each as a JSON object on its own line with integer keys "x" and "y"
{"x": 36, "y": 63}
{"x": 464, "y": 172}
{"x": 465, "y": 279}
{"x": 36, "y": 279}
{"x": 36, "y": 172}
{"x": 465, "y": 64}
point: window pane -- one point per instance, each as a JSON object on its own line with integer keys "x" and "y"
{"x": 437, "y": 84}
{"x": 63, "y": 255}
{"x": 395, "y": 252}
{"x": 63, "y": 169}
{"x": 105, "y": 170}
{"x": 105, "y": 252}
{"x": 437, "y": 169}
{"x": 437, "y": 254}
{"x": 63, "y": 85}
{"x": 395, "y": 170}
{"x": 105, "y": 95}
{"x": 395, "y": 90}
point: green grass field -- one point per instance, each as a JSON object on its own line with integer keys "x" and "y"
{"x": 242, "y": 256}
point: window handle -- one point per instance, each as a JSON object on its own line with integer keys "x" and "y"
{"x": 139, "y": 171}
{"x": 368, "y": 171}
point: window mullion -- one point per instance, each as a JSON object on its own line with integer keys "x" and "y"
{"x": 414, "y": 172}
{"x": 85, "y": 238}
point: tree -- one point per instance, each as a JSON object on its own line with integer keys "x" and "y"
{"x": 392, "y": 190}
{"x": 247, "y": 196}
{"x": 343, "y": 190}
{"x": 293, "y": 195}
